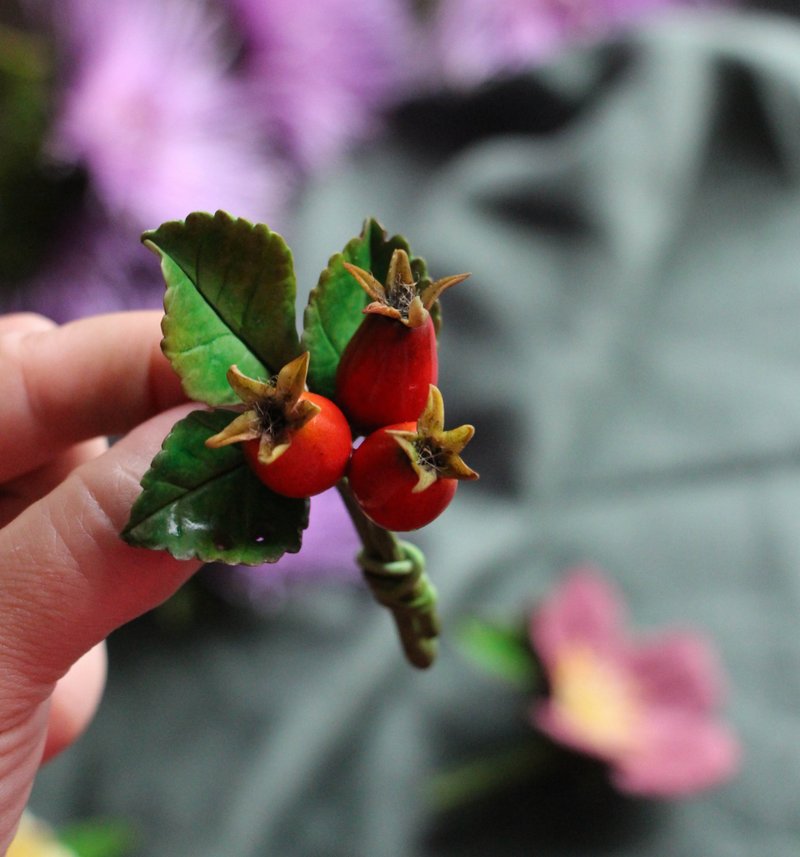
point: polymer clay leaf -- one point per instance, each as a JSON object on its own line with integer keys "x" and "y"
{"x": 336, "y": 304}
{"x": 230, "y": 299}
{"x": 207, "y": 503}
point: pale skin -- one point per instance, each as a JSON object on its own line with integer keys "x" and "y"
{"x": 66, "y": 578}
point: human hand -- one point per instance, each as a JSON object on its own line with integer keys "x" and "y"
{"x": 66, "y": 578}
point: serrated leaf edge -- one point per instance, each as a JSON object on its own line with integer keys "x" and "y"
{"x": 224, "y": 217}
{"x": 147, "y": 479}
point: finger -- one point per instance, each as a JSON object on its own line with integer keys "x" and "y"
{"x": 75, "y": 701}
{"x": 68, "y": 578}
{"x": 19, "y": 493}
{"x": 21, "y": 747}
{"x": 24, "y": 322}
{"x": 97, "y": 376}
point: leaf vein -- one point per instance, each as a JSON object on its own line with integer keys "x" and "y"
{"x": 188, "y": 492}
{"x": 235, "y": 329}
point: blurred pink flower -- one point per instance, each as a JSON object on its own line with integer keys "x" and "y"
{"x": 475, "y": 39}
{"x": 646, "y": 708}
{"x": 152, "y": 112}
{"x": 322, "y": 69}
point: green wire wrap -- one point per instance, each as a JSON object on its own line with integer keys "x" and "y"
{"x": 403, "y": 587}
{"x": 395, "y": 573}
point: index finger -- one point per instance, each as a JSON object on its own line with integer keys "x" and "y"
{"x": 97, "y": 376}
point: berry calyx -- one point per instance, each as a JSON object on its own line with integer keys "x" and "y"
{"x": 388, "y": 365}
{"x": 401, "y": 298}
{"x": 403, "y": 476}
{"x": 297, "y": 443}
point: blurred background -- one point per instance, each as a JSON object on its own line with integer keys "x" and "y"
{"x": 622, "y": 178}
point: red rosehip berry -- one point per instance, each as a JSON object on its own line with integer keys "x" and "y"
{"x": 297, "y": 443}
{"x": 385, "y": 372}
{"x": 403, "y": 476}
{"x": 391, "y": 360}
{"x": 316, "y": 457}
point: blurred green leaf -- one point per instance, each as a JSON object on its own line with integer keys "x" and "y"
{"x": 99, "y": 838}
{"x": 501, "y": 651}
{"x": 230, "y": 299}
{"x": 335, "y": 305}
{"x": 207, "y": 503}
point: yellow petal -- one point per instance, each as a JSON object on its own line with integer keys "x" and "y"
{"x": 35, "y": 839}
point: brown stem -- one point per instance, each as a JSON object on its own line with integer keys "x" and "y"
{"x": 395, "y": 573}
{"x": 378, "y": 543}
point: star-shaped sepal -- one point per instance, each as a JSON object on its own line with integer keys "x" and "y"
{"x": 274, "y": 410}
{"x": 401, "y": 298}
{"x": 435, "y": 452}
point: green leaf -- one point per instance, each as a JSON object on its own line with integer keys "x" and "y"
{"x": 230, "y": 299}
{"x": 501, "y": 651}
{"x": 99, "y": 838}
{"x": 207, "y": 504}
{"x": 336, "y": 304}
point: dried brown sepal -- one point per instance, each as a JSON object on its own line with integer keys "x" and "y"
{"x": 367, "y": 282}
{"x": 434, "y": 452}
{"x": 401, "y": 298}
{"x": 432, "y": 293}
{"x": 275, "y": 410}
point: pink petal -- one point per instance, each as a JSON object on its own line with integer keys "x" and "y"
{"x": 678, "y": 670}
{"x": 549, "y": 720}
{"x": 584, "y": 609}
{"x": 684, "y": 753}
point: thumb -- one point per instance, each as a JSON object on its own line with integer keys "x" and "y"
{"x": 68, "y": 578}
{"x": 68, "y": 581}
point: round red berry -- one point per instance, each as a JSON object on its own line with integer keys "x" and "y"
{"x": 403, "y": 476}
{"x": 298, "y": 443}
{"x": 382, "y": 479}
{"x": 316, "y": 458}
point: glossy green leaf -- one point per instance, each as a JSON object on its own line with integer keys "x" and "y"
{"x": 230, "y": 299}
{"x": 336, "y": 304}
{"x": 207, "y": 503}
{"x": 501, "y": 651}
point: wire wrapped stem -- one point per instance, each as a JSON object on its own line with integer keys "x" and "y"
{"x": 395, "y": 573}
